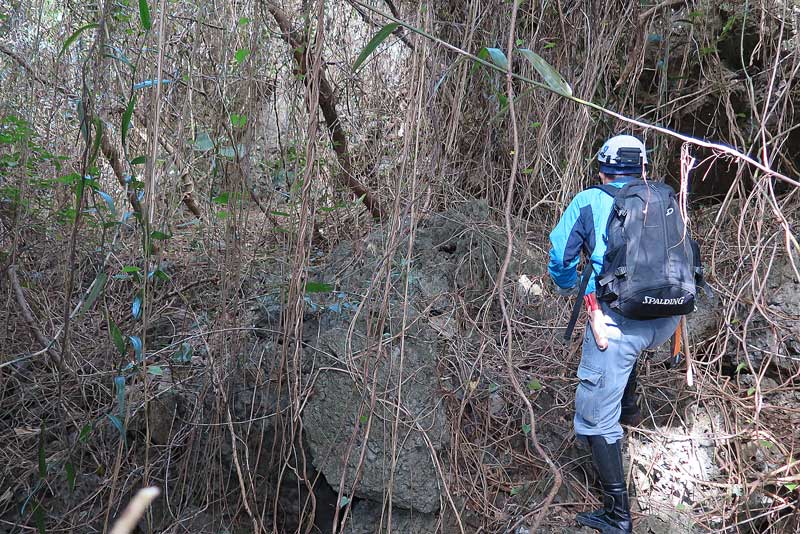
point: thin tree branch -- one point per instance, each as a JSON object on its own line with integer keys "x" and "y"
{"x": 327, "y": 103}
{"x": 27, "y": 314}
{"x": 669, "y": 3}
{"x": 716, "y": 147}
{"x": 113, "y": 156}
{"x": 501, "y": 276}
{"x": 36, "y": 76}
{"x": 399, "y": 32}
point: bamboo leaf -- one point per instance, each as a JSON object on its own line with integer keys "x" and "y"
{"x": 86, "y": 431}
{"x": 241, "y": 55}
{"x": 498, "y": 57}
{"x": 70, "y": 475}
{"x": 39, "y": 516}
{"x": 551, "y": 76}
{"x": 116, "y": 337}
{"x": 109, "y": 202}
{"x": 161, "y": 236}
{"x": 74, "y": 37}
{"x": 495, "y": 55}
{"x": 119, "y": 386}
{"x": 136, "y": 306}
{"x": 136, "y": 343}
{"x": 318, "y": 287}
{"x": 97, "y": 287}
{"x": 98, "y": 136}
{"x": 379, "y": 37}
{"x": 144, "y": 15}
{"x": 117, "y": 422}
{"x": 126, "y": 117}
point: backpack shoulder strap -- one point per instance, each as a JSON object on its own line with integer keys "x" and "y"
{"x": 607, "y": 189}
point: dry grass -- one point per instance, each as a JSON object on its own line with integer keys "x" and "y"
{"x": 427, "y": 132}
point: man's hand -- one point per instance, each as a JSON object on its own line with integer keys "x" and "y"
{"x": 566, "y": 292}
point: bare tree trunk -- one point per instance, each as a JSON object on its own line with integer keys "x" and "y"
{"x": 327, "y": 103}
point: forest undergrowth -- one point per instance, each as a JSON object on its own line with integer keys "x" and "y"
{"x": 168, "y": 202}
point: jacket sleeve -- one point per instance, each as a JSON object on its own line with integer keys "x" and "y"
{"x": 573, "y": 233}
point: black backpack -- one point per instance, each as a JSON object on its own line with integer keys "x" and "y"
{"x": 651, "y": 265}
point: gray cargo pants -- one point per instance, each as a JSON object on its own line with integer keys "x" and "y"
{"x": 603, "y": 374}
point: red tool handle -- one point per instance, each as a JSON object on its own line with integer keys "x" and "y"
{"x": 597, "y": 320}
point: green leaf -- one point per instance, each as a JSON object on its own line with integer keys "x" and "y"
{"x": 126, "y": 117}
{"x": 740, "y": 367}
{"x": 497, "y": 56}
{"x": 117, "y": 422}
{"x": 373, "y": 43}
{"x": 238, "y": 121}
{"x": 222, "y": 198}
{"x": 116, "y": 337}
{"x": 136, "y": 306}
{"x": 84, "y": 127}
{"x": 551, "y": 76}
{"x": 344, "y": 501}
{"x": 203, "y": 142}
{"x": 97, "y": 287}
{"x": 534, "y": 385}
{"x": 119, "y": 387}
{"x": 86, "y": 431}
{"x": 131, "y": 269}
{"x": 144, "y": 15}
{"x": 751, "y": 391}
{"x": 363, "y": 419}
{"x": 155, "y": 370}
{"x": 222, "y": 214}
{"x": 98, "y": 137}
{"x": 241, "y": 55}
{"x": 516, "y": 490}
{"x": 184, "y": 354}
{"x": 766, "y": 443}
{"x": 70, "y": 469}
{"x": 244, "y": 21}
{"x": 161, "y": 236}
{"x": 38, "y": 517}
{"x": 526, "y": 428}
{"x": 141, "y": 160}
{"x": 161, "y": 275}
{"x": 74, "y": 37}
{"x": 318, "y": 287}
{"x": 791, "y": 487}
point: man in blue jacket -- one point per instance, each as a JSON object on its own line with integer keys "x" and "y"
{"x": 606, "y": 393}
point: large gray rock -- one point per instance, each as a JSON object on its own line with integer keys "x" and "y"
{"x": 773, "y": 332}
{"x": 359, "y": 372}
{"x": 366, "y": 519}
{"x": 337, "y": 414}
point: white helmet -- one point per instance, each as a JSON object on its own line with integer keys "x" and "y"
{"x": 622, "y": 154}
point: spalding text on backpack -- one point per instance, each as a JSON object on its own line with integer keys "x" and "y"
{"x": 649, "y": 267}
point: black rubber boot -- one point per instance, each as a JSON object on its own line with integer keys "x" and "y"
{"x": 615, "y": 516}
{"x": 630, "y": 414}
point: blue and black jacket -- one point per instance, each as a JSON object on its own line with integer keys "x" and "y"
{"x": 581, "y": 228}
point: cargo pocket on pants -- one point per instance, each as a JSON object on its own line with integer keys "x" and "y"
{"x": 587, "y": 396}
